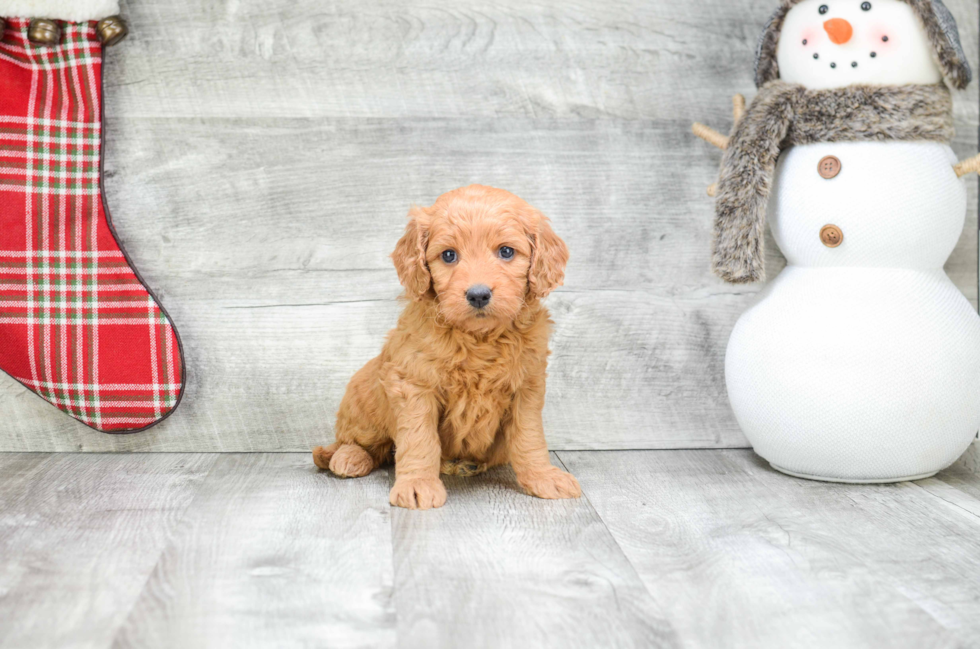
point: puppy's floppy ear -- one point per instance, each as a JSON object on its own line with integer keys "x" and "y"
{"x": 409, "y": 255}
{"x": 549, "y": 254}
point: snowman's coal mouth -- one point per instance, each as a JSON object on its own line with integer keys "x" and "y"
{"x": 833, "y": 64}
{"x": 854, "y": 64}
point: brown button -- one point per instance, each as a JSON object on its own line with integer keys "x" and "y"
{"x": 828, "y": 167}
{"x": 831, "y": 236}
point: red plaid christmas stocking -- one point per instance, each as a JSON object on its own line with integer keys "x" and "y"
{"x": 77, "y": 325}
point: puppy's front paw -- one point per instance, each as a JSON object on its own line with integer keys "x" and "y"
{"x": 418, "y": 493}
{"x": 550, "y": 483}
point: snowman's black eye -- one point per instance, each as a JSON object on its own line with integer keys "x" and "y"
{"x": 866, "y": 6}
{"x": 449, "y": 256}
{"x": 824, "y": 9}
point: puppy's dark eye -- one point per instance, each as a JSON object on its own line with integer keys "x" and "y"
{"x": 506, "y": 252}
{"x": 449, "y": 256}
{"x": 866, "y": 6}
{"x": 824, "y": 9}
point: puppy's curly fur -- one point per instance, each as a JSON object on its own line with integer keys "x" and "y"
{"x": 455, "y": 385}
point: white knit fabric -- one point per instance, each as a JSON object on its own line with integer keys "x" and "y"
{"x": 70, "y": 10}
{"x": 861, "y": 362}
{"x": 905, "y": 57}
{"x": 857, "y": 374}
{"x": 899, "y": 204}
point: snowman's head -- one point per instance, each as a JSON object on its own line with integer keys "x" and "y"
{"x": 836, "y": 43}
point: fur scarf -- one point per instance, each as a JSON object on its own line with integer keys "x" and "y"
{"x": 783, "y": 115}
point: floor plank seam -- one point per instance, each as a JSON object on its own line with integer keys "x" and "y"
{"x": 166, "y": 546}
{"x": 948, "y": 502}
{"x": 393, "y": 594}
{"x": 612, "y": 536}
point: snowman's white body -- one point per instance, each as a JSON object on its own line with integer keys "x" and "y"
{"x": 861, "y": 362}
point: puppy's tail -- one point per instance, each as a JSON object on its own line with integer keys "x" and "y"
{"x": 322, "y": 455}
{"x": 462, "y": 468}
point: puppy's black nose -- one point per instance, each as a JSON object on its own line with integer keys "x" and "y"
{"x": 479, "y": 296}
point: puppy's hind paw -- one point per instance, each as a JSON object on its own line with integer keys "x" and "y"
{"x": 551, "y": 483}
{"x": 351, "y": 461}
{"x": 418, "y": 493}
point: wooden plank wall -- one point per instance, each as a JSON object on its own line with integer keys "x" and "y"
{"x": 261, "y": 157}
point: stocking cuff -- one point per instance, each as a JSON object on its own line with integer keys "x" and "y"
{"x": 70, "y": 10}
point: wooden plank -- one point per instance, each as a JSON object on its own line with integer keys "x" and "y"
{"x": 448, "y": 58}
{"x": 623, "y": 59}
{"x": 79, "y": 535}
{"x": 261, "y": 157}
{"x": 497, "y": 568}
{"x": 273, "y": 553}
{"x": 739, "y": 555}
{"x": 971, "y": 459}
{"x": 669, "y": 548}
{"x": 960, "y": 483}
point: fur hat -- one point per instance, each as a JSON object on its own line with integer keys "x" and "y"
{"x": 938, "y": 22}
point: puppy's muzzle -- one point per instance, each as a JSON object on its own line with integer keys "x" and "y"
{"x": 479, "y": 296}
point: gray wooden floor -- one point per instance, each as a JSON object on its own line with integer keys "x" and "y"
{"x": 702, "y": 548}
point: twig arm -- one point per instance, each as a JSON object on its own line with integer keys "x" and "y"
{"x": 968, "y": 166}
{"x": 710, "y": 135}
{"x": 713, "y": 137}
{"x": 738, "y": 107}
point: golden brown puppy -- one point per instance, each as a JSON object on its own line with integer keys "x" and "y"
{"x": 461, "y": 379}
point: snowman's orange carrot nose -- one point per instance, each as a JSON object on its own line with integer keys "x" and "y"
{"x": 839, "y": 30}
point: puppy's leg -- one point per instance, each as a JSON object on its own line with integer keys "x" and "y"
{"x": 417, "y": 451}
{"x": 360, "y": 445}
{"x": 524, "y": 433}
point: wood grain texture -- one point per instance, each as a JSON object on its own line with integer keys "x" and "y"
{"x": 706, "y": 548}
{"x": 497, "y": 568}
{"x": 960, "y": 483}
{"x": 261, "y": 157}
{"x": 79, "y": 535}
{"x": 739, "y": 555}
{"x": 971, "y": 459}
{"x": 273, "y": 553}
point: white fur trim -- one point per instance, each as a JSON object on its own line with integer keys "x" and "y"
{"x": 70, "y": 10}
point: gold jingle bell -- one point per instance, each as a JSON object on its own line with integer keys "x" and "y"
{"x": 112, "y": 30}
{"x": 44, "y": 32}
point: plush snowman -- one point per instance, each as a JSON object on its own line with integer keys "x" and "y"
{"x": 860, "y": 361}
